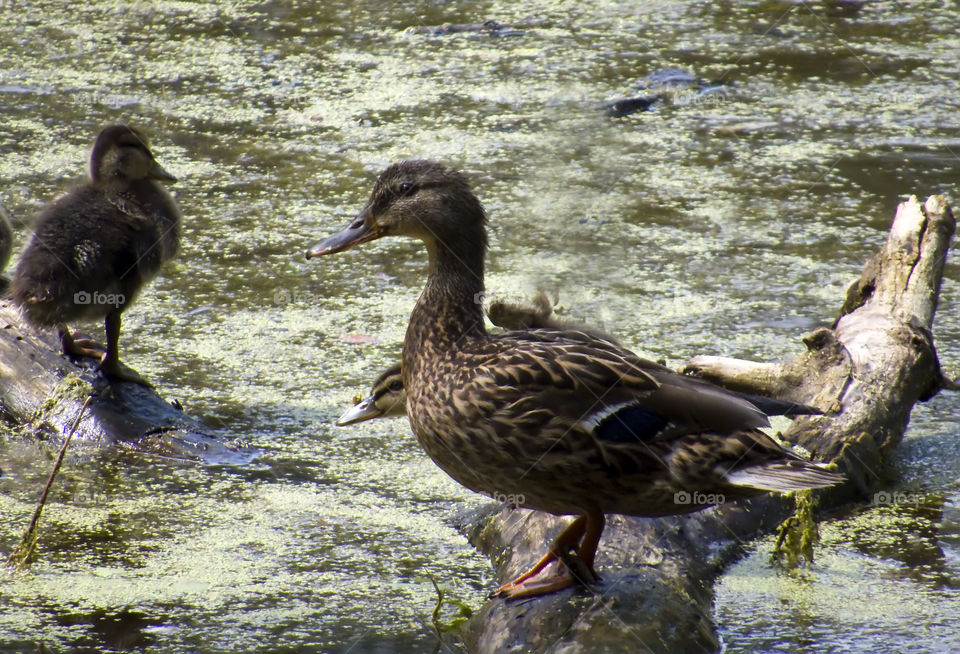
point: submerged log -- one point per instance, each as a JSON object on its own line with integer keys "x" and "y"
{"x": 41, "y": 392}
{"x": 866, "y": 373}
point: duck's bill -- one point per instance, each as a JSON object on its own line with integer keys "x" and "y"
{"x": 363, "y": 410}
{"x": 158, "y": 172}
{"x": 357, "y": 232}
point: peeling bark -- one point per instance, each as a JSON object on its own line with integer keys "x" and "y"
{"x": 658, "y": 573}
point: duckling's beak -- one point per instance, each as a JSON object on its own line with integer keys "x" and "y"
{"x": 365, "y": 409}
{"x": 359, "y": 231}
{"x": 158, "y": 172}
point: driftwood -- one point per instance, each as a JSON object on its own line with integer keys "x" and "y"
{"x": 658, "y": 573}
{"x": 41, "y": 392}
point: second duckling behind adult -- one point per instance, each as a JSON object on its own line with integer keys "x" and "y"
{"x": 94, "y": 248}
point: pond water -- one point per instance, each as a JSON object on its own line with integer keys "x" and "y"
{"x": 728, "y": 223}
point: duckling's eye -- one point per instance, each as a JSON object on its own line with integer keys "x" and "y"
{"x": 396, "y": 386}
{"x": 407, "y": 188}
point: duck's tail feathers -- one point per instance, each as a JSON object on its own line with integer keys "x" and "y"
{"x": 785, "y": 477}
{"x": 774, "y": 407}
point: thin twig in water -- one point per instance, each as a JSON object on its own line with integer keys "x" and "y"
{"x": 20, "y": 558}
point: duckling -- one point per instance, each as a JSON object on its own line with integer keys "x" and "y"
{"x": 567, "y": 423}
{"x": 94, "y": 248}
{"x": 538, "y": 313}
{"x": 387, "y": 399}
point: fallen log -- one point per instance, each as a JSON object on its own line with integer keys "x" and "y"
{"x": 866, "y": 373}
{"x": 41, "y": 392}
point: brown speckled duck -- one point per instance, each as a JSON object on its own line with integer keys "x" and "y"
{"x": 567, "y": 422}
{"x": 94, "y": 248}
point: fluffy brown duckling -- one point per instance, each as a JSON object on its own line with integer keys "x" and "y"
{"x": 567, "y": 423}
{"x": 387, "y": 399}
{"x": 95, "y": 247}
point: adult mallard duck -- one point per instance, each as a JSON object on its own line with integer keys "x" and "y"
{"x": 567, "y": 423}
{"x": 94, "y": 248}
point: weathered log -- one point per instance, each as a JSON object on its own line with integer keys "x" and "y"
{"x": 658, "y": 573}
{"x": 41, "y": 392}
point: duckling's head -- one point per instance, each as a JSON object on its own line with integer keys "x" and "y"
{"x": 420, "y": 199}
{"x": 121, "y": 153}
{"x": 387, "y": 398}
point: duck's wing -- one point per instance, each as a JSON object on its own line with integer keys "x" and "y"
{"x": 615, "y": 378}
{"x": 588, "y": 422}
{"x": 129, "y": 207}
{"x": 75, "y": 241}
{"x": 594, "y": 384}
{"x": 683, "y": 387}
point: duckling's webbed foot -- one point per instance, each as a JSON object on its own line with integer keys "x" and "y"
{"x": 78, "y": 344}
{"x": 111, "y": 367}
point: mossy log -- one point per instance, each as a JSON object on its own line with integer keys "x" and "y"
{"x": 41, "y": 392}
{"x": 656, "y": 595}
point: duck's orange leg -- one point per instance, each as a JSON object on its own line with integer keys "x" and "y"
{"x": 572, "y": 568}
{"x": 587, "y": 552}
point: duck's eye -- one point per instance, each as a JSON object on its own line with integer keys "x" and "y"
{"x": 396, "y": 386}
{"x": 407, "y": 188}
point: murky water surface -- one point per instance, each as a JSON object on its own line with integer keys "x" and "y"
{"x": 728, "y": 224}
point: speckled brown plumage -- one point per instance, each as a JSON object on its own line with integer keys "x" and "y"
{"x": 94, "y": 248}
{"x": 561, "y": 421}
{"x": 388, "y": 398}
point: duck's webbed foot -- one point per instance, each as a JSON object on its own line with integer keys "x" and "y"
{"x": 110, "y": 364}
{"x": 111, "y": 367}
{"x": 561, "y": 578}
{"x": 573, "y": 568}
{"x": 79, "y": 344}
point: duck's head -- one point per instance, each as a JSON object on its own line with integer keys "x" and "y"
{"x": 387, "y": 398}
{"x": 121, "y": 153}
{"x": 420, "y": 199}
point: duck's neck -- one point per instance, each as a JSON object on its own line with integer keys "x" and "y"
{"x": 451, "y": 305}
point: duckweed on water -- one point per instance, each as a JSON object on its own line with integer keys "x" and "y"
{"x": 676, "y": 230}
